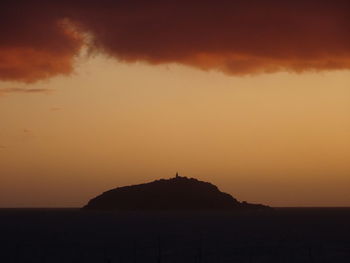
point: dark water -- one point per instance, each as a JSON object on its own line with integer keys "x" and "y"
{"x": 72, "y": 235}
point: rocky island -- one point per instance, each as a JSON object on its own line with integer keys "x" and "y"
{"x": 178, "y": 193}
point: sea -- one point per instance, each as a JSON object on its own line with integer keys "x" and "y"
{"x": 75, "y": 235}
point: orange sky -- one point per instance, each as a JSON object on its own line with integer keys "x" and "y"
{"x": 282, "y": 139}
{"x": 252, "y": 96}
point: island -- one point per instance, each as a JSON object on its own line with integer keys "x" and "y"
{"x": 177, "y": 193}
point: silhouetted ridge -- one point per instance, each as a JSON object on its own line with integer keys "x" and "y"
{"x": 178, "y": 193}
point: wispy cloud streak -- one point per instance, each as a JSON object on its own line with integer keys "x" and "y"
{"x": 4, "y": 91}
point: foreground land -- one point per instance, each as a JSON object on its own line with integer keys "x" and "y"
{"x": 73, "y": 235}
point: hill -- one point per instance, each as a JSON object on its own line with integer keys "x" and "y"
{"x": 178, "y": 193}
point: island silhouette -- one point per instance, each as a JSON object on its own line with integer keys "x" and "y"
{"x": 177, "y": 193}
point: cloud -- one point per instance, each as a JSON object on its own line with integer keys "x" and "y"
{"x": 236, "y": 37}
{"x": 4, "y": 91}
{"x": 36, "y": 42}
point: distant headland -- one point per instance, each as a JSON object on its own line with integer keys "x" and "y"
{"x": 177, "y": 193}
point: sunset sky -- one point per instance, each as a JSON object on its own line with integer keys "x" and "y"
{"x": 97, "y": 94}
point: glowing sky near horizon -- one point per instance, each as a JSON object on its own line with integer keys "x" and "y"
{"x": 281, "y": 139}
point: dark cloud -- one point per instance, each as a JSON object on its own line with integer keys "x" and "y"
{"x": 39, "y": 39}
{"x": 36, "y": 41}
